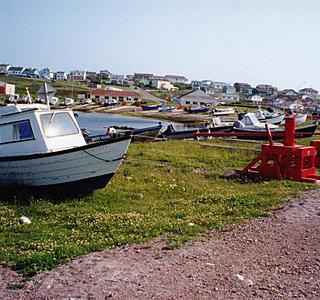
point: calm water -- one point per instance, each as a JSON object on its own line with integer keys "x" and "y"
{"x": 97, "y": 123}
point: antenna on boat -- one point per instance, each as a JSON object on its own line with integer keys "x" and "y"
{"x": 29, "y": 96}
{"x": 46, "y": 95}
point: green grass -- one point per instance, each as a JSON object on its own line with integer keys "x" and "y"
{"x": 64, "y": 88}
{"x": 167, "y": 94}
{"x": 159, "y": 190}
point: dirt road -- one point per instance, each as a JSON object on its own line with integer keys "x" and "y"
{"x": 267, "y": 258}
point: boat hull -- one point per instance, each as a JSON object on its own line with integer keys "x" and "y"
{"x": 172, "y": 134}
{"x": 89, "y": 166}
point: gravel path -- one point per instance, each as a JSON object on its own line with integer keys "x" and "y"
{"x": 265, "y": 258}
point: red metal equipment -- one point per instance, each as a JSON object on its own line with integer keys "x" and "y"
{"x": 287, "y": 160}
{"x": 317, "y": 158}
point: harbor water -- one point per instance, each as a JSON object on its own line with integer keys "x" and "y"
{"x": 97, "y": 123}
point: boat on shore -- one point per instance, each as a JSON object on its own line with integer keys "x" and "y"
{"x": 223, "y": 111}
{"x": 197, "y": 110}
{"x": 299, "y": 117}
{"x": 145, "y": 134}
{"x": 151, "y": 107}
{"x": 40, "y": 148}
{"x": 214, "y": 126}
{"x": 261, "y": 134}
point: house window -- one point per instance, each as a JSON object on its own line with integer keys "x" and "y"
{"x": 195, "y": 103}
{"x": 120, "y": 98}
{"x": 15, "y": 132}
{"x": 187, "y": 102}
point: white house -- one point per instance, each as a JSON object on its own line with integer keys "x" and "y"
{"x": 15, "y": 71}
{"x": 229, "y": 97}
{"x": 216, "y": 85}
{"x": 78, "y": 75}
{"x": 46, "y": 73}
{"x": 256, "y": 99}
{"x": 163, "y": 85}
{"x": 176, "y": 79}
{"x": 117, "y": 79}
{"x": 196, "y": 98}
{"x": 60, "y": 75}
{"x": 4, "y": 68}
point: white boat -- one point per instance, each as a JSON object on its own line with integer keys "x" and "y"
{"x": 68, "y": 101}
{"x": 271, "y": 118}
{"x": 223, "y": 111}
{"x": 250, "y": 121}
{"x": 44, "y": 148}
{"x": 300, "y": 118}
{"x": 53, "y": 100}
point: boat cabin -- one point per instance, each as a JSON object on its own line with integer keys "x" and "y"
{"x": 35, "y": 131}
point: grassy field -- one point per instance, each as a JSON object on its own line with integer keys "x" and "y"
{"x": 174, "y": 189}
{"x": 64, "y": 88}
{"x": 167, "y": 95}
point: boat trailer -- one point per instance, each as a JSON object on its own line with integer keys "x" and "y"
{"x": 286, "y": 160}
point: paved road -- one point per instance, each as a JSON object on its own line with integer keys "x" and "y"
{"x": 146, "y": 95}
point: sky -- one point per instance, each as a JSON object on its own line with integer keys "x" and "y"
{"x": 256, "y": 41}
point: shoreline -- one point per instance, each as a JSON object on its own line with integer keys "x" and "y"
{"x": 178, "y": 116}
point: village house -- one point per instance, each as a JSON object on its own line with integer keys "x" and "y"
{"x": 308, "y": 91}
{"x": 4, "y": 69}
{"x": 105, "y": 74}
{"x": 176, "y": 79}
{"x": 46, "y": 73}
{"x": 247, "y": 93}
{"x": 117, "y": 79}
{"x": 139, "y": 76}
{"x": 288, "y": 92}
{"x": 102, "y": 96}
{"x": 241, "y": 86}
{"x": 216, "y": 85}
{"x": 15, "y": 71}
{"x": 255, "y": 99}
{"x": 229, "y": 89}
{"x": 229, "y": 97}
{"x": 163, "y": 85}
{"x": 129, "y": 77}
{"x": 31, "y": 72}
{"x": 195, "y": 84}
{"x": 265, "y": 90}
{"x": 78, "y": 75}
{"x": 60, "y": 75}
{"x": 196, "y": 98}
{"x": 7, "y": 89}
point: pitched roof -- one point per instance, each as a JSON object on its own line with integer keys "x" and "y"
{"x": 176, "y": 76}
{"x": 16, "y": 69}
{"x": 198, "y": 94}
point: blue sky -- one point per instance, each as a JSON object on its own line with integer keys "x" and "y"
{"x": 266, "y": 41}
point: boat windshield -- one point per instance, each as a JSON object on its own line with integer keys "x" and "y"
{"x": 58, "y": 124}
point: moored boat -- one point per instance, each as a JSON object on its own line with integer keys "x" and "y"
{"x": 261, "y": 134}
{"x": 151, "y": 107}
{"x": 46, "y": 149}
{"x": 144, "y": 134}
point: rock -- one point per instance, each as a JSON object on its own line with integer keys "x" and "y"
{"x": 24, "y": 220}
{"x": 191, "y": 224}
{"x": 238, "y": 277}
{"x": 242, "y": 279}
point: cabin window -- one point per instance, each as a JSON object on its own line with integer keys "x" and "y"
{"x": 58, "y": 124}
{"x": 15, "y": 132}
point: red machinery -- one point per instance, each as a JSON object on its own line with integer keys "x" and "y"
{"x": 287, "y": 160}
{"x": 317, "y": 158}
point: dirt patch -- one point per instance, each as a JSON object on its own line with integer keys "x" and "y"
{"x": 271, "y": 258}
